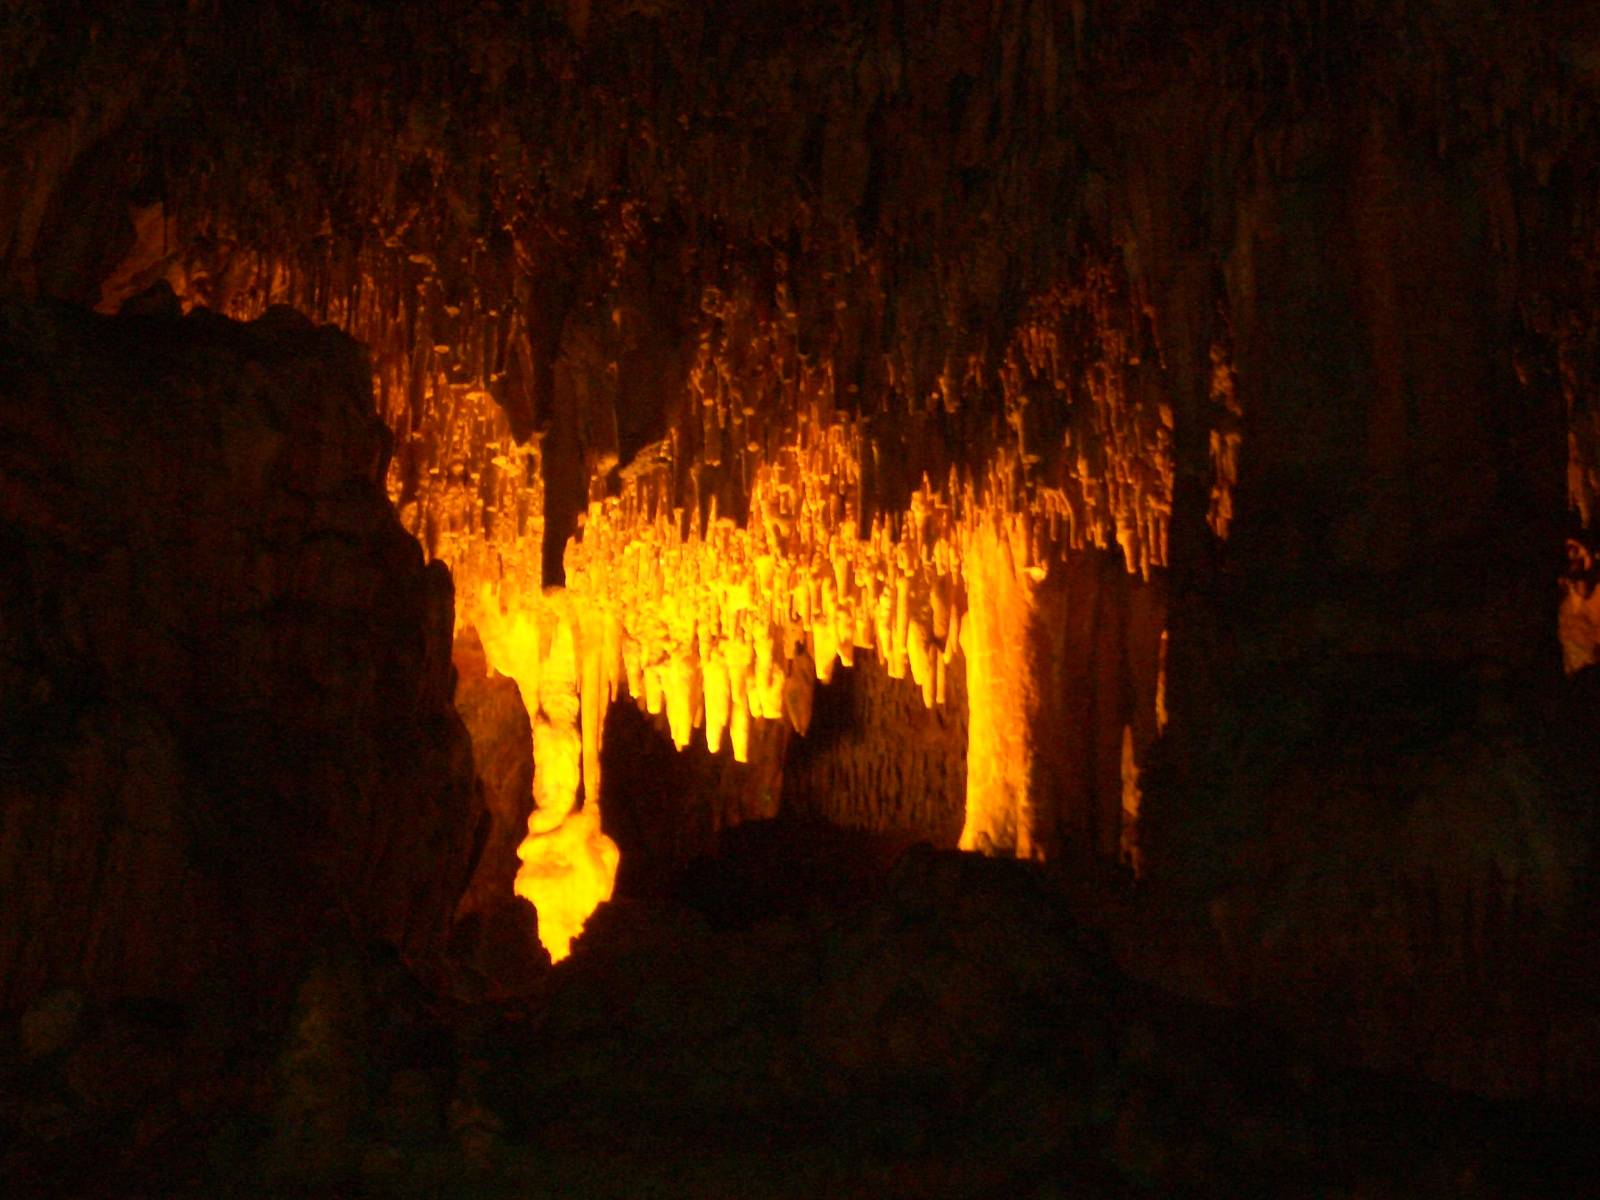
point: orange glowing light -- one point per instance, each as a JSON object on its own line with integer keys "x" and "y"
{"x": 717, "y": 626}
{"x": 569, "y": 865}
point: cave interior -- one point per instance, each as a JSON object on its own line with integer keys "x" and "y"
{"x": 896, "y": 598}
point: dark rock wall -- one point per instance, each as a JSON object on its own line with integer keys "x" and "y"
{"x": 1380, "y": 781}
{"x": 1103, "y": 629}
{"x": 226, "y": 687}
{"x": 665, "y": 807}
{"x": 496, "y": 718}
{"x": 495, "y": 941}
{"x": 845, "y": 771}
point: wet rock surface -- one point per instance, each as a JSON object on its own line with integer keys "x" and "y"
{"x": 916, "y": 781}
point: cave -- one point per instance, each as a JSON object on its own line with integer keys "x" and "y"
{"x": 856, "y": 597}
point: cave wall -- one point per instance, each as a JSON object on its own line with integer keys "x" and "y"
{"x": 667, "y": 807}
{"x": 227, "y": 719}
{"x": 1103, "y": 631}
{"x": 495, "y": 931}
{"x": 563, "y": 228}
{"x": 1378, "y": 778}
{"x": 846, "y": 772}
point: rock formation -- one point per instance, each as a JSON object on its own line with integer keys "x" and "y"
{"x": 227, "y": 684}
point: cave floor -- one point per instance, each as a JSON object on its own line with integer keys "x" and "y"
{"x": 949, "y": 1030}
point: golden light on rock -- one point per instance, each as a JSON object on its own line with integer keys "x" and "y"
{"x": 1002, "y": 579}
{"x": 1578, "y": 617}
{"x": 568, "y": 864}
{"x": 718, "y": 625}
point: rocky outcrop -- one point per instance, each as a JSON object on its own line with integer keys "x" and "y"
{"x": 943, "y": 1028}
{"x": 953, "y": 1032}
{"x": 497, "y": 931}
{"x": 496, "y": 718}
{"x": 225, "y": 680}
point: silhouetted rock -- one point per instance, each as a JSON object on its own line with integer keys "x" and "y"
{"x": 225, "y": 683}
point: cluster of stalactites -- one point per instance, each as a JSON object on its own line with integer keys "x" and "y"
{"x": 744, "y": 370}
{"x": 483, "y": 515}
{"x": 1096, "y": 451}
{"x": 1115, "y": 461}
{"x": 461, "y": 482}
{"x": 1225, "y": 438}
{"x": 719, "y": 626}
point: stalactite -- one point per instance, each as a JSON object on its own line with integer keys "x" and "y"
{"x": 554, "y": 653}
{"x": 1578, "y": 617}
{"x": 1130, "y": 853}
{"x": 1225, "y": 438}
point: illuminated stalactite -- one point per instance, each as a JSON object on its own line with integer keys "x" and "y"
{"x": 568, "y": 864}
{"x": 1132, "y": 799}
{"x": 1578, "y": 617}
{"x": 718, "y": 625}
{"x": 1067, "y": 366}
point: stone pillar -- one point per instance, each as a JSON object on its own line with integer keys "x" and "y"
{"x": 1003, "y": 692}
